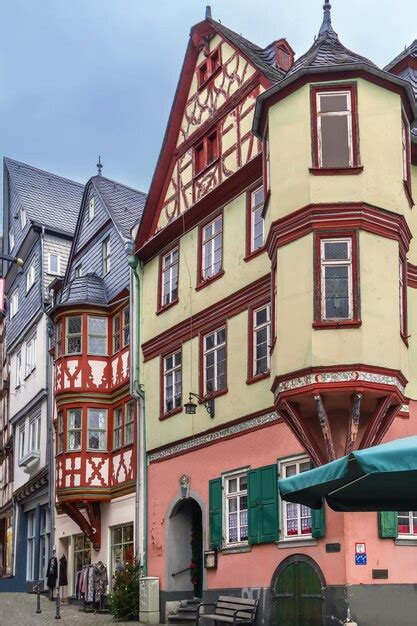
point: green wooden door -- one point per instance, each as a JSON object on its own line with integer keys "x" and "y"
{"x": 298, "y": 597}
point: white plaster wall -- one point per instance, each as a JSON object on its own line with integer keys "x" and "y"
{"x": 23, "y": 474}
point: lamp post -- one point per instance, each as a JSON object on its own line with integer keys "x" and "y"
{"x": 191, "y": 407}
{"x": 13, "y": 259}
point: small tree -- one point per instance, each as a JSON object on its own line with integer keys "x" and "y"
{"x": 124, "y": 600}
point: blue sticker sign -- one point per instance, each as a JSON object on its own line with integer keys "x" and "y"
{"x": 361, "y": 558}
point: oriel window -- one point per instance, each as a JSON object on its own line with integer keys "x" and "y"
{"x": 97, "y": 429}
{"x": 336, "y": 279}
{"x": 117, "y": 427}
{"x": 74, "y": 334}
{"x": 74, "y": 429}
{"x": 129, "y": 423}
{"x": 97, "y": 335}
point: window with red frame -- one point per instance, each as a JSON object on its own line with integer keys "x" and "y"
{"x": 214, "y": 361}
{"x": 169, "y": 277}
{"x": 172, "y": 381}
{"x": 206, "y": 152}
{"x": 256, "y": 202}
{"x": 58, "y": 339}
{"x": 121, "y": 329}
{"x": 403, "y": 296}
{"x": 336, "y": 279}
{"x": 261, "y": 338}
{"x": 405, "y": 128}
{"x": 210, "y": 65}
{"x": 212, "y": 248}
{"x": 335, "y": 145}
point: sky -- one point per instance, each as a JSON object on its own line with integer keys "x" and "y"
{"x": 79, "y": 78}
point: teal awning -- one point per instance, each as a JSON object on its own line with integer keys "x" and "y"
{"x": 382, "y": 478}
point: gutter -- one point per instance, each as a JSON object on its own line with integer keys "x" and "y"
{"x": 136, "y": 390}
{"x": 330, "y": 69}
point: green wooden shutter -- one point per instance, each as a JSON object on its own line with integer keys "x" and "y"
{"x": 388, "y": 524}
{"x": 215, "y": 513}
{"x": 318, "y": 523}
{"x": 263, "y": 504}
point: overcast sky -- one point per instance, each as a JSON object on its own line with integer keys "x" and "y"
{"x": 80, "y": 78}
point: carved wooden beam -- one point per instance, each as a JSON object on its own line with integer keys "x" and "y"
{"x": 386, "y": 422}
{"x": 325, "y": 427}
{"x": 292, "y": 415}
{"x": 92, "y": 531}
{"x": 355, "y": 414}
{"x": 376, "y": 420}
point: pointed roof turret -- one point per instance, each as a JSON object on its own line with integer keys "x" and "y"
{"x": 327, "y": 50}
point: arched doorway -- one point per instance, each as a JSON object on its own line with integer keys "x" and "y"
{"x": 297, "y": 593}
{"x": 185, "y": 548}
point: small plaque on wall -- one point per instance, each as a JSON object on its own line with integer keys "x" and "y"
{"x": 333, "y": 547}
{"x": 380, "y": 574}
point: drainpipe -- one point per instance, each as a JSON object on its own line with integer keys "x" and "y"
{"x": 137, "y": 392}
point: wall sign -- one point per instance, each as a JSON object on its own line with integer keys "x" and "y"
{"x": 361, "y": 557}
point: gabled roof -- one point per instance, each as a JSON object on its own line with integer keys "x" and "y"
{"x": 88, "y": 289}
{"x": 409, "y": 51}
{"x": 327, "y": 50}
{"x": 124, "y": 204}
{"x": 48, "y": 199}
{"x": 405, "y": 66}
{"x": 262, "y": 58}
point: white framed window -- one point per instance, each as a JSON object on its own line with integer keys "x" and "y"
{"x": 407, "y": 524}
{"x": 295, "y": 518}
{"x": 105, "y": 256}
{"x": 30, "y": 356}
{"x": 30, "y": 276}
{"x": 30, "y": 547}
{"x": 74, "y": 430}
{"x": 172, "y": 381}
{"x": 334, "y": 128}
{"x": 212, "y": 248}
{"x": 121, "y": 545}
{"x": 78, "y": 271}
{"x": 235, "y": 493}
{"x": 117, "y": 427}
{"x": 97, "y": 429}
{"x": 22, "y": 441}
{"x": 14, "y": 303}
{"x": 22, "y": 215}
{"x": 34, "y": 434}
{"x": 11, "y": 240}
{"x": 74, "y": 334}
{"x": 97, "y": 335}
{"x": 91, "y": 208}
{"x": 128, "y": 426}
{"x": 256, "y": 219}
{"x": 261, "y": 340}
{"x": 336, "y": 279}
{"x": 54, "y": 263}
{"x": 125, "y": 326}
{"x": 215, "y": 361}
{"x": 169, "y": 277}
{"x": 18, "y": 368}
{"x": 60, "y": 433}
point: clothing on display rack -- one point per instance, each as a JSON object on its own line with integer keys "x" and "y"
{"x": 91, "y": 584}
{"x": 52, "y": 572}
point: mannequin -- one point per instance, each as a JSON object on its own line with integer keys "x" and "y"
{"x": 52, "y": 573}
{"x": 63, "y": 578}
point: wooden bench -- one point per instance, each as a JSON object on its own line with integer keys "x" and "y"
{"x": 229, "y": 610}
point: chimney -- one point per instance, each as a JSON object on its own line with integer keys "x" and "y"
{"x": 284, "y": 55}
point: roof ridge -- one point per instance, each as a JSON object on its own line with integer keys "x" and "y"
{"x": 42, "y": 171}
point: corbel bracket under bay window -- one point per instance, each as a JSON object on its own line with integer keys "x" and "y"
{"x": 91, "y": 527}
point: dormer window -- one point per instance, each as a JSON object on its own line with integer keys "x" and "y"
{"x": 208, "y": 67}
{"x": 91, "y": 209}
{"x": 206, "y": 152}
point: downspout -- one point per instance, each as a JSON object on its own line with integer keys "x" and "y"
{"x": 136, "y": 389}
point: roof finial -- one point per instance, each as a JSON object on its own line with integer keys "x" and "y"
{"x": 326, "y": 26}
{"x": 208, "y": 12}
{"x": 99, "y": 166}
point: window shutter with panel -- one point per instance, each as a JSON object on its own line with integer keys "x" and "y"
{"x": 318, "y": 523}
{"x": 388, "y": 524}
{"x": 263, "y": 505}
{"x": 215, "y": 513}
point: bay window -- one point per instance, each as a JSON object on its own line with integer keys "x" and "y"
{"x": 34, "y": 434}
{"x": 169, "y": 277}
{"x": 60, "y": 433}
{"x": 58, "y": 339}
{"x": 125, "y": 326}
{"x": 74, "y": 334}
{"x": 116, "y": 333}
{"x": 121, "y": 545}
{"x": 296, "y": 518}
{"x": 236, "y": 508}
{"x": 97, "y": 429}
{"x": 214, "y": 361}
{"x": 22, "y": 441}
{"x": 172, "y": 381}
{"x": 74, "y": 429}
{"x": 129, "y": 421}
{"x": 117, "y": 428}
{"x": 97, "y": 335}
{"x": 211, "y": 248}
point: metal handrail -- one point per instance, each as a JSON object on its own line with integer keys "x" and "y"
{"x": 181, "y": 571}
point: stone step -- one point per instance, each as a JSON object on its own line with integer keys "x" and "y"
{"x": 181, "y": 619}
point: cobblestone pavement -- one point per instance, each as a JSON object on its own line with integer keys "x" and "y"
{"x": 19, "y": 609}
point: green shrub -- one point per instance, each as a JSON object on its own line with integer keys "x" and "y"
{"x": 124, "y": 600}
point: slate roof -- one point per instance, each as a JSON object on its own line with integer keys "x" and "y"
{"x": 410, "y": 50}
{"x": 124, "y": 204}
{"x": 51, "y": 200}
{"x": 327, "y": 50}
{"x": 262, "y": 58}
{"x": 88, "y": 289}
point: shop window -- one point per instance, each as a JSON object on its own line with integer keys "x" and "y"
{"x": 97, "y": 429}
{"x": 74, "y": 418}
{"x": 97, "y": 335}
{"x": 82, "y": 554}
{"x": 169, "y": 269}
{"x": 206, "y": 152}
{"x": 211, "y": 249}
{"x": 44, "y": 541}
{"x": 296, "y": 518}
{"x": 214, "y": 361}
{"x": 121, "y": 545}
{"x": 236, "y": 508}
{"x": 129, "y": 423}
{"x": 74, "y": 334}
{"x": 172, "y": 382}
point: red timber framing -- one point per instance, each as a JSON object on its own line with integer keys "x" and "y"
{"x": 177, "y": 141}
{"x": 317, "y": 169}
{"x": 208, "y": 319}
{"x": 90, "y": 525}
